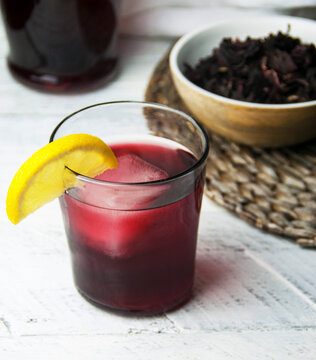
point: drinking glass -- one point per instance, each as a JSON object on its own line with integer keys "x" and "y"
{"x": 133, "y": 244}
{"x": 59, "y": 45}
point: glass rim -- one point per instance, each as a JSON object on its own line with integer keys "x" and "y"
{"x": 181, "y": 174}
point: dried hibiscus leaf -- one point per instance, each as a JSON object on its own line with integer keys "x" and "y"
{"x": 278, "y": 69}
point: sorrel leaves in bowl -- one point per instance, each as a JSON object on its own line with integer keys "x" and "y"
{"x": 277, "y": 69}
{"x": 244, "y": 121}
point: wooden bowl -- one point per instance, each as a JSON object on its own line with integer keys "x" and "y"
{"x": 244, "y": 122}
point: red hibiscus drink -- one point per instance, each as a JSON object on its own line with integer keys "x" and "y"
{"x": 61, "y": 46}
{"x": 132, "y": 231}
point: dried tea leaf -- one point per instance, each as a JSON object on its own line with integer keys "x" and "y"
{"x": 277, "y": 69}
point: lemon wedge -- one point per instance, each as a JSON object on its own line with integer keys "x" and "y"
{"x": 42, "y": 177}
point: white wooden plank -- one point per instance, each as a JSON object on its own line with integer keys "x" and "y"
{"x": 261, "y": 345}
{"x": 235, "y": 288}
{"x": 4, "y": 327}
{"x": 295, "y": 264}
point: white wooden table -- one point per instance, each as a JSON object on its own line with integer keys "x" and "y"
{"x": 254, "y": 295}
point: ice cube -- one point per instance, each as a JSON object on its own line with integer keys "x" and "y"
{"x": 116, "y": 196}
{"x": 132, "y": 169}
{"x": 120, "y": 234}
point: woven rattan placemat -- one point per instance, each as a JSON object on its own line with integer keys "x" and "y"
{"x": 272, "y": 189}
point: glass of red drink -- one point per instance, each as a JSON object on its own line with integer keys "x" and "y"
{"x": 59, "y": 45}
{"x": 132, "y": 231}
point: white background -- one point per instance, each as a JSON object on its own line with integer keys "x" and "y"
{"x": 176, "y": 17}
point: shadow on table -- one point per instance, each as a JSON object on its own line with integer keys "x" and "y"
{"x": 210, "y": 274}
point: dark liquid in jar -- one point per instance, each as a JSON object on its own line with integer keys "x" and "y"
{"x": 61, "y": 45}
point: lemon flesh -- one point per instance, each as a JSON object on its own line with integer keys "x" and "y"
{"x": 42, "y": 177}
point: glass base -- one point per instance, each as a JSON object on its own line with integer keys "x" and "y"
{"x": 95, "y": 78}
{"x": 146, "y": 310}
